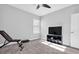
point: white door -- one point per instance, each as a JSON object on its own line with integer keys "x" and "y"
{"x": 75, "y": 30}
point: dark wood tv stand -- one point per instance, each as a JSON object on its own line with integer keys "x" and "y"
{"x": 54, "y": 38}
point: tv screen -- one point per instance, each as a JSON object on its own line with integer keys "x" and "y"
{"x": 55, "y": 30}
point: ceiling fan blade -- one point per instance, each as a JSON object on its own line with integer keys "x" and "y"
{"x": 38, "y": 6}
{"x": 47, "y": 6}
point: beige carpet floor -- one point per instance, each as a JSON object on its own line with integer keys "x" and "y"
{"x": 33, "y": 47}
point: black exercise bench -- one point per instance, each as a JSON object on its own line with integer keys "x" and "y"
{"x": 9, "y": 39}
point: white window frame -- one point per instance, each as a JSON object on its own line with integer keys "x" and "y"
{"x": 36, "y": 26}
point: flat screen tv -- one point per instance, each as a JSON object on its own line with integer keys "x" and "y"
{"x": 55, "y": 30}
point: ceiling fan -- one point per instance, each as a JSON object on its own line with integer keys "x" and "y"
{"x": 43, "y": 5}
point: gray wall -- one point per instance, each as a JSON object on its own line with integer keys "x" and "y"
{"x": 59, "y": 18}
{"x": 17, "y": 23}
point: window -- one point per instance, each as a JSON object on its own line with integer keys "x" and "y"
{"x": 36, "y": 26}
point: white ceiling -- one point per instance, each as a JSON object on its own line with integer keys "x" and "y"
{"x": 42, "y": 10}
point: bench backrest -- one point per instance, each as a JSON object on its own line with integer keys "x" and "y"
{"x": 5, "y": 35}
